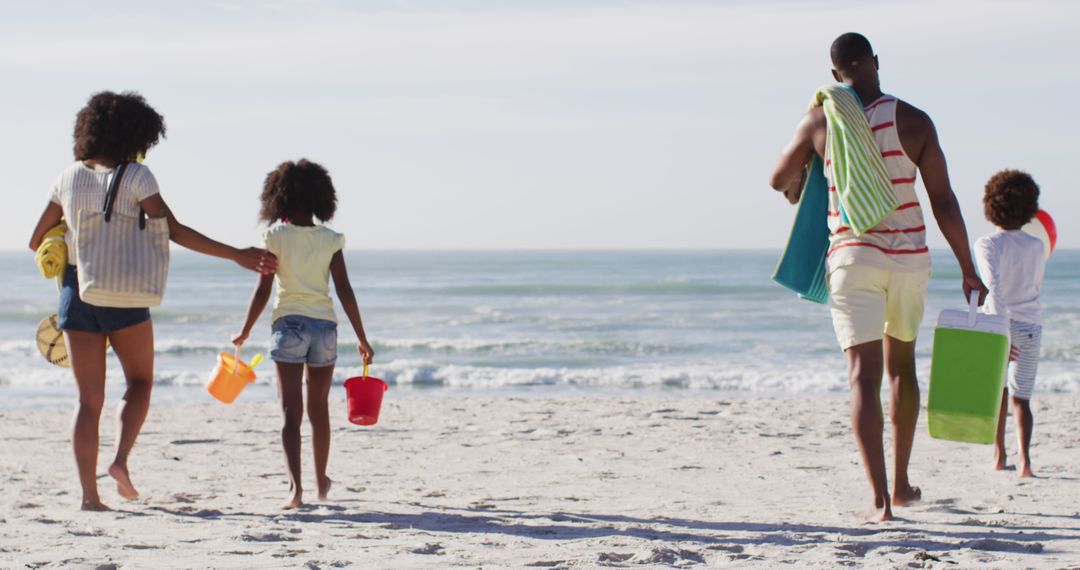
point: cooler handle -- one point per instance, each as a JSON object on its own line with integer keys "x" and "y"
{"x": 973, "y": 307}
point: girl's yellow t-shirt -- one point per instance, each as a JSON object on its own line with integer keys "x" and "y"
{"x": 303, "y": 275}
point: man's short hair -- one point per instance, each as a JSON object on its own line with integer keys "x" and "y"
{"x": 849, "y": 49}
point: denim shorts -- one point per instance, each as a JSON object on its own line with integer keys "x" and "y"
{"x": 75, "y": 315}
{"x": 304, "y": 340}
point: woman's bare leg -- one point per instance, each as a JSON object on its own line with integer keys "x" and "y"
{"x": 134, "y": 346}
{"x": 290, "y": 387}
{"x": 318, "y": 392}
{"x": 87, "y": 353}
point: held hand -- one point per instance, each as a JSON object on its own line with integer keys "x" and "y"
{"x": 365, "y": 351}
{"x": 1014, "y": 353}
{"x": 257, "y": 260}
{"x": 240, "y": 338}
{"x": 973, "y": 283}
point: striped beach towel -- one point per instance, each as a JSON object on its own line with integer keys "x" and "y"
{"x": 802, "y": 266}
{"x": 862, "y": 183}
{"x": 858, "y": 171}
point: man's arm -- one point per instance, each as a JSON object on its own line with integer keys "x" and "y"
{"x": 790, "y": 171}
{"x": 935, "y": 177}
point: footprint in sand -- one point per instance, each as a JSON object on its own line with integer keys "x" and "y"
{"x": 431, "y": 548}
{"x": 670, "y": 557}
{"x": 266, "y": 537}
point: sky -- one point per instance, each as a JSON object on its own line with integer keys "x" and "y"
{"x": 554, "y": 124}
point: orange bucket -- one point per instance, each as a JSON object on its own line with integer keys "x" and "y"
{"x": 365, "y": 395}
{"x": 227, "y": 380}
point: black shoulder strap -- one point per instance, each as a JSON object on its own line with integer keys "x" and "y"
{"x": 114, "y": 188}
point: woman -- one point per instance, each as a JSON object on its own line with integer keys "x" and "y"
{"x": 113, "y": 129}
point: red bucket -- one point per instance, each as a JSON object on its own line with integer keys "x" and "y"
{"x": 364, "y": 395}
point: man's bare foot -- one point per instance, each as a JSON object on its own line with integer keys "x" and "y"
{"x": 1025, "y": 471}
{"x": 123, "y": 482}
{"x": 877, "y": 514}
{"x": 904, "y": 497}
{"x": 94, "y": 505}
{"x": 294, "y": 503}
{"x": 324, "y": 488}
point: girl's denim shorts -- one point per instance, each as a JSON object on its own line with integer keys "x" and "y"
{"x": 303, "y": 340}
{"x": 75, "y": 315}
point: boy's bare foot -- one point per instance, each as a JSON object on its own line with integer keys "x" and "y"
{"x": 94, "y": 505}
{"x": 324, "y": 488}
{"x": 904, "y": 497}
{"x": 1025, "y": 471}
{"x": 123, "y": 482}
{"x": 999, "y": 461}
{"x": 294, "y": 503}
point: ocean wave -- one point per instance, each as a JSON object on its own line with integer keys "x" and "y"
{"x": 759, "y": 377}
{"x": 474, "y": 346}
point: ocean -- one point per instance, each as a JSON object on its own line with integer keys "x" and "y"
{"x": 689, "y": 323}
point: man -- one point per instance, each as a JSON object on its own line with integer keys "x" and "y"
{"x": 878, "y": 280}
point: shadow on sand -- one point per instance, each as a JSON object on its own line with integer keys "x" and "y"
{"x": 574, "y": 526}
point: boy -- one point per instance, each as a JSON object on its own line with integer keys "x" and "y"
{"x": 1012, "y": 264}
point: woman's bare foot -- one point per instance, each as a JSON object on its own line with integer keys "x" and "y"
{"x": 324, "y": 488}
{"x": 1025, "y": 470}
{"x": 123, "y": 482}
{"x": 904, "y": 497}
{"x": 94, "y": 505}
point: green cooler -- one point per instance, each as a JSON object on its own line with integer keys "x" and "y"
{"x": 967, "y": 374}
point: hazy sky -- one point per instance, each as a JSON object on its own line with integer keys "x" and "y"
{"x": 544, "y": 124}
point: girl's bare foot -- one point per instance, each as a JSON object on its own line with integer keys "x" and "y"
{"x": 904, "y": 497}
{"x": 123, "y": 482}
{"x": 1025, "y": 470}
{"x": 94, "y": 505}
{"x": 324, "y": 488}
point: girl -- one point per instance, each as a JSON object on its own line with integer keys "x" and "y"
{"x": 113, "y": 129}
{"x": 304, "y": 325}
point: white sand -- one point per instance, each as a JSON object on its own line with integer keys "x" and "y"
{"x": 533, "y": 482}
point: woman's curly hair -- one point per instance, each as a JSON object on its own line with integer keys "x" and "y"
{"x": 1011, "y": 199}
{"x": 297, "y": 189}
{"x": 117, "y": 127}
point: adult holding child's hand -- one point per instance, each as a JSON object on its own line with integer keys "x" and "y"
{"x": 117, "y": 264}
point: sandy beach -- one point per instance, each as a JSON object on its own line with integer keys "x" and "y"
{"x": 538, "y": 482}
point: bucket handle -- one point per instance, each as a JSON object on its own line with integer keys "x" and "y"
{"x": 236, "y": 360}
{"x": 367, "y": 365}
{"x": 973, "y": 306}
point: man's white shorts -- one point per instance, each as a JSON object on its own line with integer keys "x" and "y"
{"x": 868, "y": 303}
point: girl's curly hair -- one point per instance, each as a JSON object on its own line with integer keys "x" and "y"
{"x": 1011, "y": 199}
{"x": 116, "y": 127}
{"x": 298, "y": 189}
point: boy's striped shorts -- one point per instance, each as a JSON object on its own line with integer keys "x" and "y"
{"x": 1028, "y": 338}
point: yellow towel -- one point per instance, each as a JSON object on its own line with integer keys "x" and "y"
{"x": 52, "y": 254}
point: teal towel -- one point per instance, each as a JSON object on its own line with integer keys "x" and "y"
{"x": 802, "y": 267}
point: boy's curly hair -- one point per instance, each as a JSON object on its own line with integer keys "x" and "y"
{"x": 296, "y": 189}
{"x": 116, "y": 127}
{"x": 1011, "y": 199}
